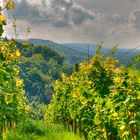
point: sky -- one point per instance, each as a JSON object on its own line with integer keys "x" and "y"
{"x": 79, "y": 21}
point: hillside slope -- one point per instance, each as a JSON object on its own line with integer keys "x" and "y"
{"x": 77, "y": 52}
{"x": 70, "y": 54}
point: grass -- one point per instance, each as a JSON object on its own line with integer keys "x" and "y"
{"x": 37, "y": 130}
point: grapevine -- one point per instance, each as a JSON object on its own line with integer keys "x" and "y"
{"x": 12, "y": 99}
{"x": 100, "y": 101}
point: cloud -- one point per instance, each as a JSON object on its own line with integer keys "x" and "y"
{"x": 134, "y": 19}
{"x": 58, "y": 13}
{"x": 80, "y": 20}
{"x": 134, "y": 0}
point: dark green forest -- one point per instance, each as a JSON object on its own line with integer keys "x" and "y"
{"x": 40, "y": 67}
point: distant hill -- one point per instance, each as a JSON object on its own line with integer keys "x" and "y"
{"x": 82, "y": 47}
{"x": 67, "y": 48}
{"x": 70, "y": 54}
{"x": 77, "y": 52}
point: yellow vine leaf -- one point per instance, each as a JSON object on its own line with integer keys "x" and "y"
{"x": 75, "y": 95}
{"x": 17, "y": 53}
{"x": 115, "y": 114}
{"x": 10, "y": 5}
{"x": 122, "y": 127}
{"x": 2, "y": 19}
{"x": 118, "y": 80}
{"x": 19, "y": 82}
{"x": 8, "y": 98}
{"x": 25, "y": 44}
{"x": 16, "y": 70}
{"x": 126, "y": 133}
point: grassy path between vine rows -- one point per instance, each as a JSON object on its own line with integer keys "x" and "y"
{"x": 37, "y": 130}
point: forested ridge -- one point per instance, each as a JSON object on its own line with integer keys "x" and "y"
{"x": 40, "y": 67}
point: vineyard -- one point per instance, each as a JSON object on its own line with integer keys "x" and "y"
{"x": 12, "y": 99}
{"x": 100, "y": 100}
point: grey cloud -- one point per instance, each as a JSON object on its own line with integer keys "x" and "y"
{"x": 65, "y": 3}
{"x": 134, "y": 19}
{"x": 116, "y": 18}
{"x": 59, "y": 13}
{"x": 72, "y": 20}
{"x": 80, "y": 14}
{"x": 134, "y": 0}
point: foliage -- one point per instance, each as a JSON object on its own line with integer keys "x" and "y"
{"x": 12, "y": 99}
{"x": 33, "y": 127}
{"x": 11, "y": 86}
{"x": 101, "y": 101}
{"x": 37, "y": 110}
{"x": 40, "y": 67}
{"x": 38, "y": 130}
